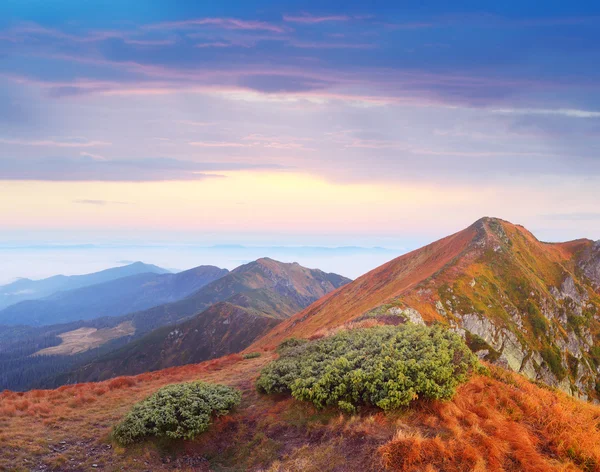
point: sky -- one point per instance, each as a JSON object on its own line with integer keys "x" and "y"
{"x": 293, "y": 123}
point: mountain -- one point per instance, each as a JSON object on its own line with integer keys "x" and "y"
{"x": 298, "y": 285}
{"x": 242, "y": 306}
{"x": 25, "y": 289}
{"x": 112, "y": 298}
{"x": 531, "y": 306}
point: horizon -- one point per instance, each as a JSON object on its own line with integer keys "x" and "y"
{"x": 92, "y": 257}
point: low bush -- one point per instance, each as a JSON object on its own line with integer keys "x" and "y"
{"x": 251, "y": 355}
{"x": 386, "y": 366}
{"x": 179, "y": 411}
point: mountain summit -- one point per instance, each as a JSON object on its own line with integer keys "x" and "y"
{"x": 531, "y": 306}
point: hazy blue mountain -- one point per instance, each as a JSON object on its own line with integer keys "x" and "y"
{"x": 113, "y": 298}
{"x": 26, "y": 289}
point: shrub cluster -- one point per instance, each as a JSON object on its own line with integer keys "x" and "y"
{"x": 385, "y": 366}
{"x": 251, "y": 355}
{"x": 176, "y": 411}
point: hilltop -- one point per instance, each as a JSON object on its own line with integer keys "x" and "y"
{"x": 524, "y": 304}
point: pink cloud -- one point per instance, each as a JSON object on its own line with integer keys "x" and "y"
{"x": 310, "y": 19}
{"x": 330, "y": 45}
{"x": 226, "y": 23}
{"x": 215, "y": 44}
{"x": 218, "y": 144}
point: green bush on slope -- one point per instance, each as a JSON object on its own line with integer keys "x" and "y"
{"x": 383, "y": 366}
{"x": 178, "y": 411}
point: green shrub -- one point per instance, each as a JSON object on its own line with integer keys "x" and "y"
{"x": 553, "y": 358}
{"x": 537, "y": 320}
{"x": 176, "y": 411}
{"x": 385, "y": 366}
{"x": 289, "y": 343}
{"x": 251, "y": 355}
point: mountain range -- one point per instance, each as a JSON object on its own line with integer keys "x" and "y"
{"x": 26, "y": 289}
{"x": 111, "y": 298}
{"x": 234, "y": 311}
{"x": 246, "y": 301}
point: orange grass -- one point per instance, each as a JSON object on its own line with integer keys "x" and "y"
{"x": 497, "y": 423}
{"x": 494, "y": 425}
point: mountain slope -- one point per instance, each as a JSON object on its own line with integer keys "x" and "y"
{"x": 112, "y": 298}
{"x": 25, "y": 289}
{"x": 258, "y": 296}
{"x": 522, "y": 303}
{"x": 298, "y": 285}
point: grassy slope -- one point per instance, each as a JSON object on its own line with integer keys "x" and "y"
{"x": 494, "y": 270}
{"x": 372, "y": 289}
{"x": 500, "y": 422}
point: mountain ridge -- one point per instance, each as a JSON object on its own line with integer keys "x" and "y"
{"x": 529, "y": 305}
{"x": 110, "y": 298}
{"x": 28, "y": 289}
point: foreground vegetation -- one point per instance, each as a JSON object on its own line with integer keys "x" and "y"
{"x": 178, "y": 411}
{"x": 385, "y": 366}
{"x": 497, "y": 422}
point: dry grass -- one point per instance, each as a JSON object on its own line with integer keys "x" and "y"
{"x": 373, "y": 289}
{"x": 497, "y": 423}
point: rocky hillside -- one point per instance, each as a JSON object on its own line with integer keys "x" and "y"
{"x": 533, "y": 307}
{"x": 248, "y": 302}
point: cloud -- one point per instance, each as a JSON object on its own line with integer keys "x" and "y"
{"x": 54, "y": 143}
{"x": 91, "y": 155}
{"x": 567, "y": 112}
{"x": 584, "y": 216}
{"x": 99, "y": 202}
{"x": 282, "y": 83}
{"x": 217, "y": 144}
{"x": 226, "y": 23}
{"x": 311, "y": 19}
{"x": 138, "y": 170}
{"x": 330, "y": 45}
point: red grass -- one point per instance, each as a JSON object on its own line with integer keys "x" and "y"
{"x": 121, "y": 382}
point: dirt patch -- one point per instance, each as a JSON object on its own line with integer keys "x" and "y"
{"x": 84, "y": 339}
